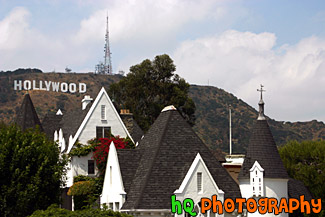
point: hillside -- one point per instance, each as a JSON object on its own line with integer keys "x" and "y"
{"x": 211, "y": 103}
{"x": 212, "y": 123}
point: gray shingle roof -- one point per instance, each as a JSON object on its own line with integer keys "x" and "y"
{"x": 128, "y": 161}
{"x": 262, "y": 148}
{"x": 51, "y": 123}
{"x": 168, "y": 150}
{"x": 71, "y": 121}
{"x": 132, "y": 126}
{"x": 297, "y": 188}
{"x": 27, "y": 116}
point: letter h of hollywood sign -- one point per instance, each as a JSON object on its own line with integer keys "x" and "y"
{"x": 50, "y": 86}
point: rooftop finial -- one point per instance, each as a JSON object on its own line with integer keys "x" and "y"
{"x": 261, "y": 105}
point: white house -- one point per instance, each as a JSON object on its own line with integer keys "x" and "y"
{"x": 95, "y": 119}
{"x": 170, "y": 159}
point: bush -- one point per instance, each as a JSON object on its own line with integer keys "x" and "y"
{"x": 54, "y": 210}
{"x": 86, "y": 190}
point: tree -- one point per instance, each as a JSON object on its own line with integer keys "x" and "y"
{"x": 305, "y": 161}
{"x": 31, "y": 171}
{"x": 149, "y": 87}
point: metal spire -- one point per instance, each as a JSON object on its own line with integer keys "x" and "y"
{"x": 107, "y": 57}
{"x": 106, "y": 67}
{"x": 261, "y": 105}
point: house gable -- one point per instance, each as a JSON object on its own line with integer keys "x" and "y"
{"x": 198, "y": 183}
{"x": 113, "y": 193}
{"x": 94, "y": 118}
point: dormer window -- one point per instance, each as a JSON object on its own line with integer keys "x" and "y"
{"x": 103, "y": 112}
{"x": 256, "y": 180}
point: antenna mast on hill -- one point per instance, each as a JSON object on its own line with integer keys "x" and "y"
{"x": 106, "y": 67}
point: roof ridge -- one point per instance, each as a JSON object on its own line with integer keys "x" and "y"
{"x": 152, "y": 161}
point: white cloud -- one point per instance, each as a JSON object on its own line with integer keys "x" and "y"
{"x": 12, "y": 29}
{"x": 239, "y": 61}
{"x": 235, "y": 61}
{"x": 24, "y": 46}
{"x": 146, "y": 19}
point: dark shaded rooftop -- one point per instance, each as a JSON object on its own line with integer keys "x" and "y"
{"x": 132, "y": 126}
{"x": 262, "y": 148}
{"x": 27, "y": 116}
{"x": 168, "y": 150}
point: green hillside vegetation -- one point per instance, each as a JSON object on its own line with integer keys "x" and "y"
{"x": 211, "y": 109}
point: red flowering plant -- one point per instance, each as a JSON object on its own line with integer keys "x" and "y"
{"x": 100, "y": 153}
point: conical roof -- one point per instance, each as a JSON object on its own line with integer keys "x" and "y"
{"x": 27, "y": 116}
{"x": 167, "y": 152}
{"x": 262, "y": 148}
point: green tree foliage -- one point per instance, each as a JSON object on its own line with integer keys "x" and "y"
{"x": 86, "y": 190}
{"x": 149, "y": 87}
{"x": 54, "y": 210}
{"x": 30, "y": 171}
{"x": 305, "y": 161}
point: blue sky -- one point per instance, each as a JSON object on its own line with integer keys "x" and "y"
{"x": 231, "y": 44}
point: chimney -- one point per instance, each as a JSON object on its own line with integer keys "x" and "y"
{"x": 125, "y": 112}
{"x": 85, "y": 101}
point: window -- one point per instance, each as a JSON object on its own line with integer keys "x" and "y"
{"x": 110, "y": 206}
{"x": 91, "y": 167}
{"x": 199, "y": 182}
{"x": 110, "y": 176}
{"x": 103, "y": 132}
{"x": 103, "y": 112}
{"x": 117, "y": 206}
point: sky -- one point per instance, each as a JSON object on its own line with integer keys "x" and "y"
{"x": 235, "y": 45}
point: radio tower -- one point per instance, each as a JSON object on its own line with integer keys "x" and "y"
{"x": 106, "y": 67}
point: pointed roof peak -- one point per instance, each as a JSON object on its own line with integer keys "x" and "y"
{"x": 262, "y": 149}
{"x": 171, "y": 143}
{"x": 27, "y": 116}
{"x": 261, "y": 105}
{"x": 59, "y": 112}
{"x": 169, "y": 108}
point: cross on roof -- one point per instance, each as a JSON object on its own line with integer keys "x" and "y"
{"x": 261, "y": 90}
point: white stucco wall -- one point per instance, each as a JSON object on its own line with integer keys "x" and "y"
{"x": 112, "y": 120}
{"x": 208, "y": 189}
{"x": 273, "y": 188}
{"x": 79, "y": 166}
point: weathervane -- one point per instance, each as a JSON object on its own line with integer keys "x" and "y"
{"x": 261, "y": 105}
{"x": 261, "y": 90}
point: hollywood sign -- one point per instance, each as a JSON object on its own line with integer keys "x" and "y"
{"x": 50, "y": 86}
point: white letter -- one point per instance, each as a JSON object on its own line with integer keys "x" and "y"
{"x": 82, "y": 88}
{"x": 17, "y": 84}
{"x": 34, "y": 86}
{"x": 72, "y": 87}
{"x": 47, "y": 85}
{"x": 41, "y": 85}
{"x": 27, "y": 85}
{"x": 55, "y": 86}
{"x": 64, "y": 87}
